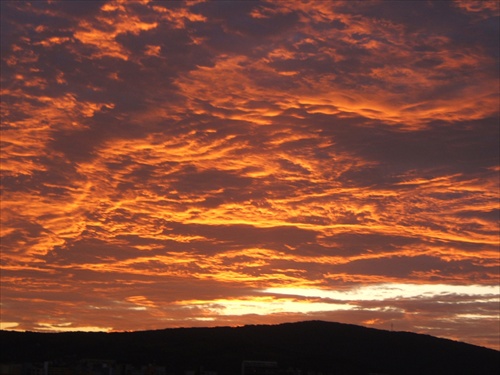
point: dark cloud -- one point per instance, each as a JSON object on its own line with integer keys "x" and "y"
{"x": 89, "y": 250}
{"x": 245, "y": 236}
{"x": 449, "y": 147}
{"x": 238, "y": 19}
{"x": 404, "y": 267}
{"x": 77, "y": 9}
{"x": 348, "y": 244}
{"x": 489, "y": 215}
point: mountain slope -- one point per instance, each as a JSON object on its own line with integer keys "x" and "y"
{"x": 313, "y": 345}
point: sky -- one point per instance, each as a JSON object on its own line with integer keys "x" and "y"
{"x": 181, "y": 164}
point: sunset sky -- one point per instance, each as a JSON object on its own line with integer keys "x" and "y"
{"x": 178, "y": 164}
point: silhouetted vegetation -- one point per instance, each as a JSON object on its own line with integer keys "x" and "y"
{"x": 329, "y": 348}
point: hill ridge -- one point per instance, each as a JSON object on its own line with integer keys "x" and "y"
{"x": 313, "y": 345}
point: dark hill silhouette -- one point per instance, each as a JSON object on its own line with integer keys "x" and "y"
{"x": 311, "y": 346}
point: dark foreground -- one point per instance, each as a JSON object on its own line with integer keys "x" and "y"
{"x": 304, "y": 348}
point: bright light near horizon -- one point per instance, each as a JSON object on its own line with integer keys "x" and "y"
{"x": 67, "y": 327}
{"x": 8, "y": 325}
{"x": 379, "y": 292}
{"x": 262, "y": 306}
{"x": 476, "y": 316}
{"x": 274, "y": 305}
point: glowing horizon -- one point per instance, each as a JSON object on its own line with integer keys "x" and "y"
{"x": 187, "y": 163}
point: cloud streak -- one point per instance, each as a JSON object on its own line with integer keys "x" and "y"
{"x": 209, "y": 163}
